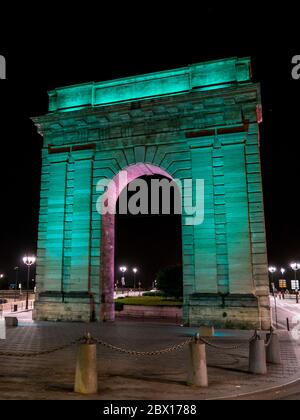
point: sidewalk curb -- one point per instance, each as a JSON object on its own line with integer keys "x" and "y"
{"x": 259, "y": 392}
{"x": 295, "y": 379}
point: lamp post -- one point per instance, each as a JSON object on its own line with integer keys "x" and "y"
{"x": 16, "y": 269}
{"x": 296, "y": 267}
{"x": 29, "y": 261}
{"x": 1, "y": 277}
{"x": 273, "y": 270}
{"x": 123, "y": 270}
{"x": 135, "y": 270}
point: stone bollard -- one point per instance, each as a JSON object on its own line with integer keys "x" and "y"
{"x": 197, "y": 369}
{"x": 86, "y": 377}
{"x": 273, "y": 349}
{"x": 257, "y": 356}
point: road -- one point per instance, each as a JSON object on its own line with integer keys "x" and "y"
{"x": 286, "y": 309}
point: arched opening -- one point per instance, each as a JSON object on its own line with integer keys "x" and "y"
{"x": 149, "y": 241}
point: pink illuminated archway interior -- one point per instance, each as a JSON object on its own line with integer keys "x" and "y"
{"x": 108, "y": 233}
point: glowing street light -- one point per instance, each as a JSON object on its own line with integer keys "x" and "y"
{"x": 296, "y": 266}
{"x": 135, "y": 270}
{"x": 2, "y": 276}
{"x": 16, "y": 269}
{"x": 29, "y": 261}
{"x": 123, "y": 270}
{"x": 273, "y": 270}
{"x": 282, "y": 270}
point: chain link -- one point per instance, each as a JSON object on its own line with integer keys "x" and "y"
{"x": 87, "y": 339}
{"x": 174, "y": 348}
{"x": 236, "y": 347}
{"x": 39, "y": 353}
{"x": 269, "y": 340}
{"x": 217, "y": 347}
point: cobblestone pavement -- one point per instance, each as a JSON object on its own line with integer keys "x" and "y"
{"x": 128, "y": 377}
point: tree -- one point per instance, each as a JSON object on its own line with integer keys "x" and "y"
{"x": 169, "y": 281}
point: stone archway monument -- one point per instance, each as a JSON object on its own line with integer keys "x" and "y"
{"x": 200, "y": 122}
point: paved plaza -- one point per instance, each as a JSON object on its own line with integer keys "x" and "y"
{"x": 128, "y": 377}
{"x": 286, "y": 308}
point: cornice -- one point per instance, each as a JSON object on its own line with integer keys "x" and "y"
{"x": 178, "y": 112}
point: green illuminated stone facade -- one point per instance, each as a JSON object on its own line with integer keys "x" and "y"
{"x": 200, "y": 122}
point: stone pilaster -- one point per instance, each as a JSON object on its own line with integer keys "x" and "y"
{"x": 204, "y": 234}
{"x": 81, "y": 222}
{"x": 53, "y": 272}
{"x": 237, "y": 214}
{"x": 220, "y": 218}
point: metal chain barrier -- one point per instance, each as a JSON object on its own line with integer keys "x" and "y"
{"x": 174, "y": 348}
{"x": 270, "y": 338}
{"x": 88, "y": 339}
{"x": 40, "y": 353}
{"x": 218, "y": 347}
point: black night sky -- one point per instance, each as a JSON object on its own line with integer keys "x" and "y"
{"x": 47, "y": 49}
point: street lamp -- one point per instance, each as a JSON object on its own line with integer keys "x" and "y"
{"x": 273, "y": 270}
{"x": 2, "y": 277}
{"x": 16, "y": 269}
{"x": 135, "y": 270}
{"x": 282, "y": 270}
{"x": 123, "y": 270}
{"x": 296, "y": 267}
{"x": 29, "y": 261}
